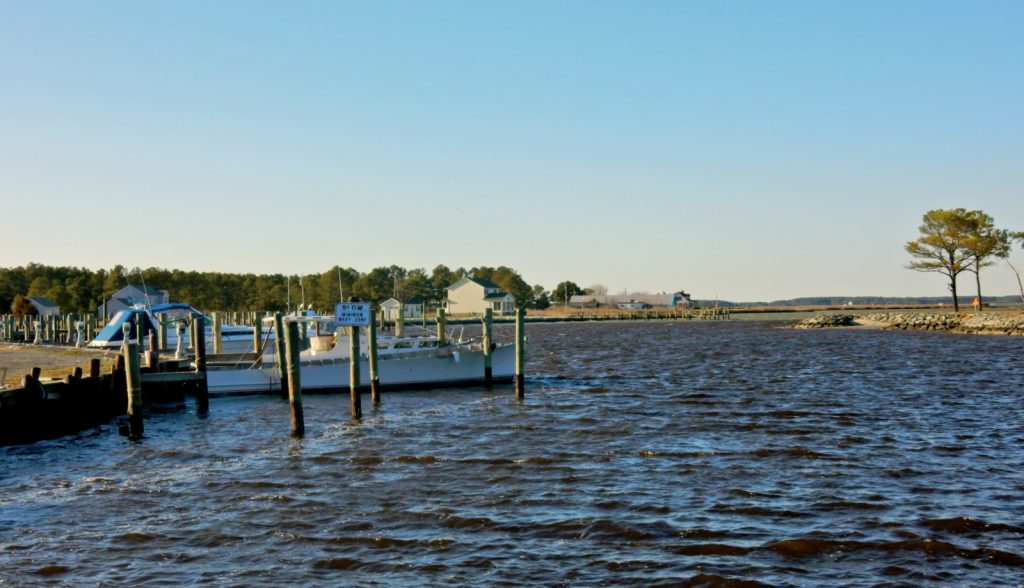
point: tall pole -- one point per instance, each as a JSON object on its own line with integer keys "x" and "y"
{"x": 353, "y": 373}
{"x": 442, "y": 325}
{"x": 290, "y": 372}
{"x": 371, "y": 345}
{"x": 279, "y": 344}
{"x": 520, "y": 352}
{"x": 134, "y": 385}
{"x": 488, "y": 322}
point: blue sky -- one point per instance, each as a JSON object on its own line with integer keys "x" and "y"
{"x": 744, "y": 150}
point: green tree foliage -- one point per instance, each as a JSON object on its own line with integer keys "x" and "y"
{"x": 956, "y": 240}
{"x": 541, "y": 300}
{"x": 564, "y": 291}
{"x": 82, "y": 290}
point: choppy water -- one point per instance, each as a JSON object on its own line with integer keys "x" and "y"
{"x": 644, "y": 453}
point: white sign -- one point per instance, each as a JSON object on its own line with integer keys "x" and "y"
{"x": 352, "y": 314}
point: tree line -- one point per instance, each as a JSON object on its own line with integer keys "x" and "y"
{"x": 83, "y": 290}
{"x": 957, "y": 240}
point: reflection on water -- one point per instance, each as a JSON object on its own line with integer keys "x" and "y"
{"x": 643, "y": 454}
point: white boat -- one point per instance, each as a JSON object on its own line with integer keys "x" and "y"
{"x": 234, "y": 339}
{"x": 403, "y": 362}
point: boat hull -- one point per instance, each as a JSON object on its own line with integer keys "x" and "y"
{"x": 458, "y": 368}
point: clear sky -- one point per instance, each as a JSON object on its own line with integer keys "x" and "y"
{"x": 744, "y": 150}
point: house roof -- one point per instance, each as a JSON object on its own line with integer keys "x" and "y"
{"x": 148, "y": 290}
{"x": 40, "y": 301}
{"x": 478, "y": 281}
{"x": 395, "y": 301}
{"x": 498, "y": 296}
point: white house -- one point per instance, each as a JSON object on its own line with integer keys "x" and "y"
{"x": 129, "y": 296}
{"x": 44, "y": 306}
{"x": 412, "y": 309}
{"x": 475, "y": 295}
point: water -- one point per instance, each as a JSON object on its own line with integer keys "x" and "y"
{"x": 644, "y": 454}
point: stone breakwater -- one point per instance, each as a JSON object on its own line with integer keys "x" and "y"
{"x": 987, "y": 323}
{"x": 826, "y": 321}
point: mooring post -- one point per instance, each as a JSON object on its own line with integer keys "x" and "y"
{"x": 134, "y": 385}
{"x": 371, "y": 346}
{"x": 400, "y": 321}
{"x": 153, "y": 357}
{"x": 161, "y": 334}
{"x": 520, "y": 352}
{"x": 353, "y": 373}
{"x": 257, "y": 336}
{"x": 291, "y": 374}
{"x": 442, "y": 327}
{"x": 488, "y": 323}
{"x": 179, "y": 351}
{"x": 94, "y": 367}
{"x": 280, "y": 336}
{"x": 202, "y": 392}
{"x": 217, "y": 320}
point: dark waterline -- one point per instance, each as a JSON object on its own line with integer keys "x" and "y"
{"x": 644, "y": 454}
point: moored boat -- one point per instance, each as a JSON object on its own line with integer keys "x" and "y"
{"x": 403, "y": 362}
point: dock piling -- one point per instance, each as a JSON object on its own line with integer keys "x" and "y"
{"x": 520, "y": 352}
{"x": 371, "y": 345}
{"x": 442, "y": 326}
{"x": 290, "y": 374}
{"x": 488, "y": 334}
{"x": 134, "y": 386}
{"x": 353, "y": 373}
{"x": 202, "y": 392}
{"x": 280, "y": 346}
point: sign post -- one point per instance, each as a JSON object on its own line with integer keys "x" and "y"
{"x": 353, "y": 315}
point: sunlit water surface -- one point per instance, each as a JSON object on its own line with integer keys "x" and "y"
{"x": 644, "y": 453}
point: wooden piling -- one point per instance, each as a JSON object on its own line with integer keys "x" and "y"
{"x": 202, "y": 391}
{"x": 353, "y": 373}
{"x": 217, "y": 320}
{"x": 161, "y": 340}
{"x": 153, "y": 356}
{"x": 520, "y": 352}
{"x": 180, "y": 349}
{"x": 134, "y": 385}
{"x": 488, "y": 323}
{"x": 290, "y": 373}
{"x": 257, "y": 336}
{"x": 280, "y": 336}
{"x": 371, "y": 345}
{"x": 400, "y": 321}
{"x": 442, "y": 327}
{"x": 94, "y": 367}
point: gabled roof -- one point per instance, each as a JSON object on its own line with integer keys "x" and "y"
{"x": 497, "y": 296}
{"x": 40, "y": 301}
{"x": 478, "y": 281}
{"x": 393, "y": 301}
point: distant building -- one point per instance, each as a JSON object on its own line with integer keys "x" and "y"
{"x": 475, "y": 295}
{"x": 130, "y": 296}
{"x": 678, "y": 299}
{"x": 43, "y": 306}
{"x": 412, "y": 309}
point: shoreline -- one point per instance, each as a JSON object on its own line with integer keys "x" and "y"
{"x": 1006, "y": 323}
